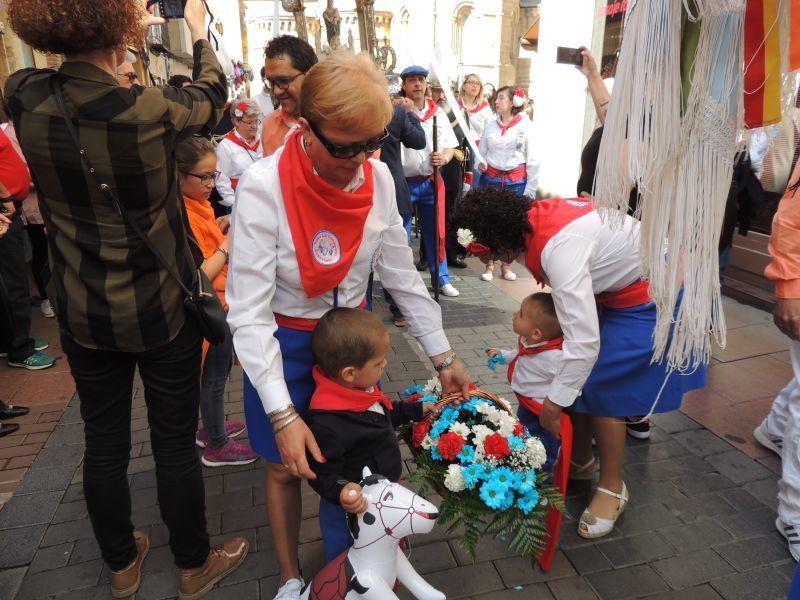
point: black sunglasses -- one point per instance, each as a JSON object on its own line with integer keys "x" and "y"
{"x": 352, "y": 150}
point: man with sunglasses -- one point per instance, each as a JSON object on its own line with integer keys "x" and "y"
{"x": 418, "y": 168}
{"x": 288, "y": 58}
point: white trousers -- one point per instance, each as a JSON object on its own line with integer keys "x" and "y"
{"x": 784, "y": 421}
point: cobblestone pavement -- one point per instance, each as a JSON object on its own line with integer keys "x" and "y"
{"x": 699, "y": 526}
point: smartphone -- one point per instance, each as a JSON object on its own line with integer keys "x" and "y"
{"x": 171, "y": 9}
{"x": 569, "y": 56}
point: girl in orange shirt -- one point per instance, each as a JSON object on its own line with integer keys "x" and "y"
{"x": 197, "y": 163}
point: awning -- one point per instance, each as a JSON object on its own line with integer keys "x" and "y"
{"x": 530, "y": 40}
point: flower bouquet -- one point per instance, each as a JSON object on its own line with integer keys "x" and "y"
{"x": 487, "y": 467}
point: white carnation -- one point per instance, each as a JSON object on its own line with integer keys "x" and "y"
{"x": 465, "y": 237}
{"x": 480, "y": 432}
{"x": 507, "y": 424}
{"x": 461, "y": 429}
{"x": 537, "y": 455}
{"x": 454, "y": 480}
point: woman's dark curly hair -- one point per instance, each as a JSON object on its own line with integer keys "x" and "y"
{"x": 76, "y": 26}
{"x": 497, "y": 218}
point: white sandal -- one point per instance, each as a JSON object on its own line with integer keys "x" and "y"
{"x": 591, "y": 526}
{"x": 582, "y": 472}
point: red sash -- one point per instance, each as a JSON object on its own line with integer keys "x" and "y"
{"x": 547, "y": 218}
{"x": 440, "y": 216}
{"x": 509, "y": 125}
{"x": 301, "y": 323}
{"x": 522, "y": 350}
{"x": 514, "y": 175}
{"x": 327, "y": 223}
{"x": 239, "y": 141}
{"x": 329, "y": 395}
{"x": 478, "y": 108}
{"x": 635, "y": 294}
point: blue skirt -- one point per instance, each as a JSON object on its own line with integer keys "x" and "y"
{"x": 623, "y": 383}
{"x": 298, "y": 361}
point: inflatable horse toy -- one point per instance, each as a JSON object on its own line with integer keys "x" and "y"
{"x": 369, "y": 569}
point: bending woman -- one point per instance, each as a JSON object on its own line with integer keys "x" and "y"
{"x": 605, "y": 311}
{"x": 309, "y": 225}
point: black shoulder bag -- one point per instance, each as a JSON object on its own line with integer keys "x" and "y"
{"x": 201, "y": 302}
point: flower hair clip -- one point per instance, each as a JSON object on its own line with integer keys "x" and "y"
{"x": 467, "y": 240}
{"x": 240, "y": 110}
{"x": 518, "y": 100}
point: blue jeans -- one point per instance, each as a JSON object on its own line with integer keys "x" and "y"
{"x": 499, "y": 184}
{"x": 422, "y": 195}
{"x": 336, "y": 536}
{"x": 552, "y": 444}
{"x": 216, "y": 369}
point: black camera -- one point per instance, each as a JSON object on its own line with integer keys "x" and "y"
{"x": 170, "y": 9}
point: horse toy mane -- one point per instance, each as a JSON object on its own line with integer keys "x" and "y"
{"x": 370, "y": 568}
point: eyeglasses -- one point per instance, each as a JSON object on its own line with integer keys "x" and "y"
{"x": 280, "y": 83}
{"x": 206, "y": 178}
{"x": 353, "y": 150}
{"x": 253, "y": 123}
{"x": 132, "y": 76}
{"x": 472, "y": 82}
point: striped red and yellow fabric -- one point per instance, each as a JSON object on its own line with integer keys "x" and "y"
{"x": 762, "y": 59}
{"x": 794, "y": 35}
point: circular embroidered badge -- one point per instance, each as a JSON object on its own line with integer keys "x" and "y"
{"x": 325, "y": 248}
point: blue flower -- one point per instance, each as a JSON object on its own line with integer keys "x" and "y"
{"x": 529, "y": 501}
{"x": 505, "y": 477}
{"x": 428, "y": 398}
{"x": 494, "y": 494}
{"x": 515, "y": 443}
{"x": 527, "y": 482}
{"x": 472, "y": 475}
{"x": 467, "y": 454}
{"x": 414, "y": 389}
{"x": 434, "y": 451}
{"x": 471, "y": 406}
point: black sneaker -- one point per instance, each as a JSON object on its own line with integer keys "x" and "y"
{"x": 638, "y": 428}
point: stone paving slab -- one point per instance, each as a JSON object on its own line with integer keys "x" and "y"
{"x": 700, "y": 525}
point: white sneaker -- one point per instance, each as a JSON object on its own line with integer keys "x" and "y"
{"x": 510, "y": 276}
{"x": 448, "y": 290}
{"x": 767, "y": 440}
{"x": 791, "y": 535}
{"x": 47, "y": 309}
{"x": 290, "y": 590}
{"x": 487, "y": 276}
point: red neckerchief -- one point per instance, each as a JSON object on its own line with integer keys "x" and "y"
{"x": 327, "y": 223}
{"x": 523, "y": 350}
{"x": 547, "y": 218}
{"x": 432, "y": 108}
{"x": 511, "y": 123}
{"x": 240, "y": 141}
{"x": 329, "y": 395}
{"x": 478, "y": 108}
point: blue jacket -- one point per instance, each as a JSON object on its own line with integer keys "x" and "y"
{"x": 403, "y": 129}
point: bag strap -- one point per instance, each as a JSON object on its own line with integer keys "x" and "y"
{"x": 107, "y": 191}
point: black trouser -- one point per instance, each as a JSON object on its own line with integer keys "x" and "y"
{"x": 171, "y": 377}
{"x": 14, "y": 277}
{"x": 39, "y": 268}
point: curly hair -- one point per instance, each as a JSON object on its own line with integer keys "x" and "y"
{"x": 497, "y": 218}
{"x": 76, "y": 26}
{"x": 300, "y": 53}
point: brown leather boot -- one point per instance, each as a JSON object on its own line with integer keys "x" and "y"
{"x": 196, "y": 583}
{"x": 126, "y": 582}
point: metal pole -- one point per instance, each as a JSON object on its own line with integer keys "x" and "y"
{"x": 436, "y": 200}
{"x": 276, "y": 19}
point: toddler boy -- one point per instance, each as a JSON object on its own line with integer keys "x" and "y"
{"x": 352, "y": 421}
{"x": 533, "y": 365}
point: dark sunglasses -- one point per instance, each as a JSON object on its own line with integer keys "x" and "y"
{"x": 280, "y": 83}
{"x": 352, "y": 150}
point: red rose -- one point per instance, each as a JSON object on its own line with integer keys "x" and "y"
{"x": 496, "y": 445}
{"x": 418, "y": 432}
{"x": 450, "y": 445}
{"x": 519, "y": 429}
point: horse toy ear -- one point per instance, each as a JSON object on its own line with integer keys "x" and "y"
{"x": 366, "y": 473}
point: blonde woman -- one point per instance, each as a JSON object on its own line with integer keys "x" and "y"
{"x": 310, "y": 224}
